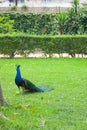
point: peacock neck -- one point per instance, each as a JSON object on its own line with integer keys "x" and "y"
{"x": 18, "y": 75}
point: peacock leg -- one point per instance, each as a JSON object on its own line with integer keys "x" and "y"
{"x": 20, "y": 90}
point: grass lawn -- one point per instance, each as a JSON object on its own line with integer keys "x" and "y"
{"x": 64, "y": 108}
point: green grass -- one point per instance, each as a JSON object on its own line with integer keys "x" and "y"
{"x": 64, "y": 108}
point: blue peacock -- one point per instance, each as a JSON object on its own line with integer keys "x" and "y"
{"x": 28, "y": 85}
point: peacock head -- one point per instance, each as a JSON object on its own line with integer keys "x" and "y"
{"x": 17, "y": 67}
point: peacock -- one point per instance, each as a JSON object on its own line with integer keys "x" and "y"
{"x": 27, "y": 85}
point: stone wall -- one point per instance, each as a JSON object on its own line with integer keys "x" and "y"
{"x": 36, "y": 6}
{"x": 34, "y": 9}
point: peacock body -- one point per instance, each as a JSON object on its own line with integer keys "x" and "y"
{"x": 28, "y": 85}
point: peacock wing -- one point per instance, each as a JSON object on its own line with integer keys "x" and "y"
{"x": 31, "y": 87}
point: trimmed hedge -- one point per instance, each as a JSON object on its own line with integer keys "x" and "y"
{"x": 25, "y": 44}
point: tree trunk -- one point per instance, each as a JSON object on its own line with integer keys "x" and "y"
{"x": 2, "y": 99}
{"x": 16, "y": 2}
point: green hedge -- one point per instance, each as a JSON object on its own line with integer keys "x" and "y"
{"x": 44, "y": 24}
{"x": 34, "y": 23}
{"x": 24, "y": 44}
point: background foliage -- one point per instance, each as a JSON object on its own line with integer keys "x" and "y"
{"x": 74, "y": 21}
{"x": 6, "y": 24}
{"x": 24, "y": 44}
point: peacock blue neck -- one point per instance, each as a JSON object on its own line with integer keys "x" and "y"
{"x": 18, "y": 75}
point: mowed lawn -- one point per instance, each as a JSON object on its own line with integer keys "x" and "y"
{"x": 64, "y": 108}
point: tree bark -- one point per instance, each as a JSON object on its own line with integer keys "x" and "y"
{"x": 2, "y": 99}
{"x": 16, "y": 2}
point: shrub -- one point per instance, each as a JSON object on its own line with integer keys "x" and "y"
{"x": 22, "y": 43}
{"x": 24, "y": 7}
{"x": 13, "y": 8}
{"x": 6, "y": 25}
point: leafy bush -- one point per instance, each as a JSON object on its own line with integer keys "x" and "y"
{"x": 73, "y": 21}
{"x": 14, "y": 7}
{"x": 6, "y": 25}
{"x": 24, "y": 7}
{"x": 24, "y": 44}
{"x": 83, "y": 20}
